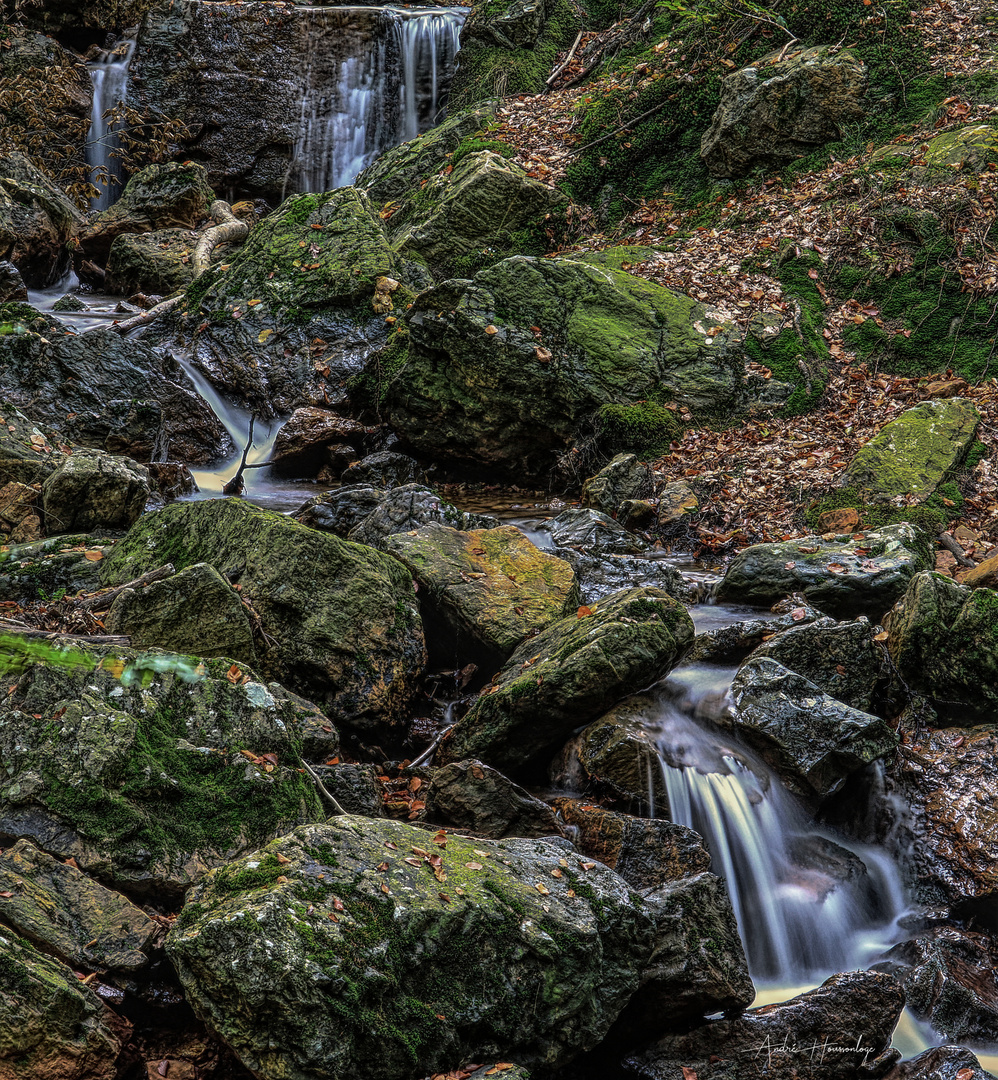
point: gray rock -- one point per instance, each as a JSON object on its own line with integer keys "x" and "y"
{"x": 811, "y": 740}
{"x": 313, "y": 439}
{"x": 941, "y": 1063}
{"x": 45, "y": 568}
{"x": 601, "y": 575}
{"x": 592, "y": 531}
{"x": 354, "y": 787}
{"x": 93, "y": 490}
{"x": 385, "y": 470}
{"x": 781, "y": 107}
{"x": 623, "y": 478}
{"x": 736, "y": 640}
{"x": 341, "y": 509}
{"x": 405, "y": 508}
{"x": 12, "y": 285}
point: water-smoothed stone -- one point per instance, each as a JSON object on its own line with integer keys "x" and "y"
{"x": 122, "y": 398}
{"x": 385, "y": 470}
{"x": 948, "y": 780}
{"x": 623, "y": 478}
{"x": 471, "y": 795}
{"x": 812, "y": 741}
{"x": 53, "y": 1025}
{"x": 569, "y": 674}
{"x": 37, "y": 221}
{"x": 157, "y": 263}
{"x": 949, "y": 981}
{"x": 941, "y": 1063}
{"x": 195, "y": 612}
{"x": 394, "y": 174}
{"x": 118, "y": 772}
{"x": 64, "y": 912}
{"x": 910, "y": 456}
{"x": 341, "y": 509}
{"x": 732, "y": 643}
{"x": 851, "y": 1015}
{"x": 519, "y": 963}
{"x": 340, "y": 620}
{"x": 593, "y": 532}
{"x": 12, "y": 285}
{"x": 409, "y": 507}
{"x": 92, "y": 490}
{"x": 476, "y": 207}
{"x": 841, "y": 659}
{"x": 646, "y": 852}
{"x": 599, "y": 575}
{"x": 843, "y": 577}
{"x": 783, "y": 106}
{"x": 483, "y": 592}
{"x": 476, "y": 385}
{"x": 943, "y": 639}
{"x": 167, "y": 196}
{"x": 298, "y": 297}
{"x": 313, "y": 439}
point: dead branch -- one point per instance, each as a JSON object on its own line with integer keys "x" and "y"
{"x": 92, "y": 639}
{"x": 959, "y": 554}
{"x": 564, "y": 64}
{"x": 102, "y": 601}
{"x": 236, "y": 486}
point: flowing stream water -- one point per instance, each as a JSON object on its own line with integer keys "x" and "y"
{"x": 109, "y": 77}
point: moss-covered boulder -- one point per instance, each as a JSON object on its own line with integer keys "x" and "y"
{"x": 27, "y": 453}
{"x": 297, "y": 307}
{"x": 569, "y": 674}
{"x": 483, "y": 591}
{"x": 972, "y": 147}
{"x": 148, "y": 781}
{"x": 502, "y": 371}
{"x": 167, "y": 196}
{"x": 195, "y": 612}
{"x": 53, "y": 1025}
{"x": 943, "y": 639}
{"x": 811, "y": 740}
{"x": 622, "y": 478}
{"x": 69, "y": 915}
{"x": 456, "y": 220}
{"x": 157, "y": 262}
{"x": 37, "y": 221}
{"x": 43, "y": 569}
{"x": 842, "y": 576}
{"x": 340, "y": 620}
{"x": 91, "y": 490}
{"x": 392, "y": 176}
{"x": 781, "y": 107}
{"x": 910, "y": 456}
{"x": 123, "y": 397}
{"x": 381, "y": 952}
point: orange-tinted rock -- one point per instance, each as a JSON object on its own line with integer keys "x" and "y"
{"x": 843, "y": 520}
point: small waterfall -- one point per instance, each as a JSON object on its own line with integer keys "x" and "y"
{"x": 806, "y": 905}
{"x": 109, "y": 76}
{"x": 373, "y": 77}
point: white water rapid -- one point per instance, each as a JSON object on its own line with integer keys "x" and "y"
{"x": 373, "y": 77}
{"x": 109, "y": 77}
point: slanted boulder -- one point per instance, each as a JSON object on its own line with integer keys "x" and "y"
{"x": 475, "y": 384}
{"x": 92, "y": 490}
{"x": 402, "y": 509}
{"x": 783, "y": 106}
{"x": 732, "y": 642}
{"x": 386, "y": 469}
{"x": 37, "y": 222}
{"x": 483, "y": 592}
{"x": 314, "y": 439}
{"x": 910, "y": 456}
{"x": 844, "y": 578}
{"x": 340, "y": 620}
{"x": 623, "y": 478}
{"x": 569, "y": 674}
{"x": 12, "y": 285}
{"x": 157, "y": 263}
{"x": 592, "y": 531}
{"x": 811, "y": 740}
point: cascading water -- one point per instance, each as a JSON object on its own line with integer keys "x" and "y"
{"x": 373, "y": 77}
{"x": 806, "y": 905}
{"x": 109, "y": 77}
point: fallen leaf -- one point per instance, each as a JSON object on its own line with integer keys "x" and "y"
{"x": 440, "y": 839}
{"x": 882, "y": 636}
{"x": 234, "y": 674}
{"x": 263, "y": 335}
{"x": 337, "y": 904}
{"x": 386, "y": 890}
{"x": 584, "y": 612}
{"x": 283, "y": 859}
{"x": 473, "y": 865}
{"x": 542, "y": 889}
{"x": 163, "y": 1067}
{"x": 93, "y": 556}
{"x": 688, "y": 1073}
{"x": 6, "y": 895}
{"x": 490, "y": 329}
{"x": 383, "y": 867}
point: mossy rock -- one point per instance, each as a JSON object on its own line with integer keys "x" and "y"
{"x": 158, "y": 262}
{"x": 146, "y": 786}
{"x": 49, "y": 569}
{"x": 569, "y": 674}
{"x": 911, "y": 456}
{"x": 476, "y": 383}
{"x": 341, "y": 619}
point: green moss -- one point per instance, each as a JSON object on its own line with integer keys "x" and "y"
{"x": 645, "y": 428}
{"x": 474, "y": 144}
{"x": 934, "y": 513}
{"x": 977, "y": 453}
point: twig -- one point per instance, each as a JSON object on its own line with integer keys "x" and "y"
{"x": 322, "y": 787}
{"x": 102, "y": 601}
{"x": 428, "y": 752}
{"x": 235, "y": 486}
{"x": 951, "y": 544}
{"x": 568, "y": 59}
{"x": 629, "y": 124}
{"x": 92, "y": 639}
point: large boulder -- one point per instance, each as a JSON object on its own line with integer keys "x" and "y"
{"x": 813, "y": 741}
{"x": 910, "y": 456}
{"x": 12, "y": 285}
{"x": 382, "y": 952}
{"x": 298, "y": 306}
{"x": 783, "y": 106}
{"x": 838, "y": 1031}
{"x": 943, "y": 639}
{"x": 411, "y": 506}
{"x": 131, "y": 749}
{"x": 472, "y": 211}
{"x": 569, "y": 674}
{"x": 102, "y": 391}
{"x": 941, "y": 1063}
{"x": 502, "y": 370}
{"x": 483, "y": 592}
{"x": 622, "y": 478}
{"x": 340, "y": 620}
{"x": 157, "y": 263}
{"x": 42, "y": 568}
{"x": 37, "y": 222}
{"x": 591, "y": 531}
{"x": 53, "y": 1025}
{"x": 167, "y": 196}
{"x": 845, "y": 578}
{"x": 92, "y": 490}
{"x": 312, "y": 440}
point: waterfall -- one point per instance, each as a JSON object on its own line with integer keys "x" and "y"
{"x": 373, "y": 77}
{"x": 806, "y": 905}
{"x": 109, "y": 77}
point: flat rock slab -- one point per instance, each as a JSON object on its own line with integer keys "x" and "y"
{"x": 70, "y": 916}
